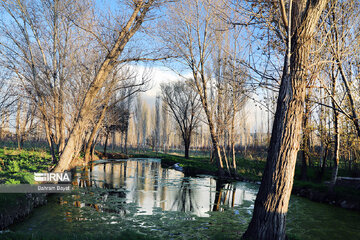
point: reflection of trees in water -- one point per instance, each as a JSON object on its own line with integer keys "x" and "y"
{"x": 164, "y": 175}
{"x": 83, "y": 179}
{"x": 123, "y": 174}
{"x": 112, "y": 192}
{"x": 112, "y": 177}
{"x": 145, "y": 183}
{"x": 225, "y": 195}
{"x": 184, "y": 199}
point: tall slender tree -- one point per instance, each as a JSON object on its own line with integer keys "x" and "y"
{"x": 271, "y": 204}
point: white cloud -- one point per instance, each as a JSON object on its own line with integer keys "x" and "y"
{"x": 158, "y": 75}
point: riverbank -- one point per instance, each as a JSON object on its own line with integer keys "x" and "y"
{"x": 14, "y": 207}
{"x": 251, "y": 171}
{"x": 340, "y": 196}
{"x": 17, "y": 167}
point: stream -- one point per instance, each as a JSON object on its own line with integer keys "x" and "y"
{"x": 139, "y": 195}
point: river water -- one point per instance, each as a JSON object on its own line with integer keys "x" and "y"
{"x": 139, "y": 195}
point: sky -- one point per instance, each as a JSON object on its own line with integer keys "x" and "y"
{"x": 256, "y": 117}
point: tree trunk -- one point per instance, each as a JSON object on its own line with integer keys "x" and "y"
{"x": 202, "y": 90}
{"x": 61, "y": 122}
{"x": 113, "y": 140}
{"x": 271, "y": 204}
{"x": 187, "y": 146}
{"x": 323, "y": 162}
{"x": 106, "y": 142}
{"x": 226, "y": 160}
{"x": 233, "y": 135}
{"x": 337, "y": 137}
{"x": 233, "y": 156}
{"x": 49, "y": 138}
{"x": 93, "y": 133}
{"x": 306, "y": 140}
{"x": 126, "y": 140}
{"x": 18, "y": 134}
{"x": 216, "y": 147}
{"x": 354, "y": 117}
{"x": 269, "y": 217}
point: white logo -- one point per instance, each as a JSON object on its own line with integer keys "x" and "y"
{"x": 52, "y": 177}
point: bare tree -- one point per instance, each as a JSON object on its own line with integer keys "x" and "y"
{"x": 342, "y": 49}
{"x": 126, "y": 32}
{"x": 37, "y": 40}
{"x": 144, "y": 124}
{"x": 184, "y": 106}
{"x": 157, "y": 123}
{"x": 271, "y": 204}
{"x": 165, "y": 127}
{"x": 129, "y": 107}
{"x": 138, "y": 120}
{"x": 117, "y": 120}
{"x": 193, "y": 37}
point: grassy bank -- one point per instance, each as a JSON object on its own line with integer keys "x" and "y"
{"x": 248, "y": 169}
{"x": 17, "y": 167}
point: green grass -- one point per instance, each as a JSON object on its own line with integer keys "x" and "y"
{"x": 310, "y": 185}
{"x": 248, "y": 169}
{"x": 200, "y": 164}
{"x": 17, "y": 166}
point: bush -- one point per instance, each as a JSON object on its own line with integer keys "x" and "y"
{"x": 12, "y": 181}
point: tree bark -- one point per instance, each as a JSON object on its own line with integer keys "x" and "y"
{"x": 126, "y": 141}
{"x": 336, "y": 134}
{"x": 106, "y": 141}
{"x": 271, "y": 204}
{"x": 355, "y": 118}
{"x": 49, "y": 138}
{"x": 336, "y": 148}
{"x": 306, "y": 140}
{"x": 187, "y": 146}
{"x": 233, "y": 134}
{"x": 18, "y": 134}
{"x": 93, "y": 134}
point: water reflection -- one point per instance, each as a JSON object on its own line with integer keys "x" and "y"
{"x": 146, "y": 184}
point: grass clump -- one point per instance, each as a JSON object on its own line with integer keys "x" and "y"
{"x": 18, "y": 166}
